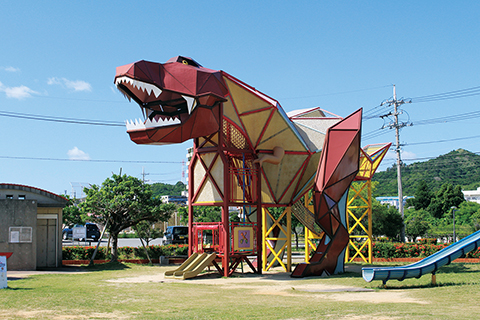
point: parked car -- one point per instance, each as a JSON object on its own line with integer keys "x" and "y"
{"x": 175, "y": 234}
{"x": 93, "y": 232}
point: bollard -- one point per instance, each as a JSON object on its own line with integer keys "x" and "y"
{"x": 3, "y": 272}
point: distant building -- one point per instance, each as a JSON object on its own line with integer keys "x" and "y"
{"x": 180, "y": 200}
{"x": 472, "y": 195}
{"x": 393, "y": 201}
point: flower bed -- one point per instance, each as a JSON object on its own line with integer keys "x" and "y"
{"x": 388, "y": 250}
{"x": 124, "y": 253}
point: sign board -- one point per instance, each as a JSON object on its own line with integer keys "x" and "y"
{"x": 20, "y": 234}
{"x": 79, "y": 233}
{"x": 14, "y": 236}
{"x": 243, "y": 238}
{"x": 3, "y": 272}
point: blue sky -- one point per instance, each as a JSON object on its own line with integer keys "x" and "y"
{"x": 58, "y": 59}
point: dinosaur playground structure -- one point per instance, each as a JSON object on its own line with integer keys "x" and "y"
{"x": 249, "y": 153}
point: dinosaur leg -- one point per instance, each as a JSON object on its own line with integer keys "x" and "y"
{"x": 329, "y": 257}
{"x": 337, "y": 169}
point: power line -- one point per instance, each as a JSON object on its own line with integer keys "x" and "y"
{"x": 445, "y": 119}
{"x": 87, "y": 160}
{"x": 61, "y": 119}
{"x": 468, "y": 92}
{"x": 440, "y": 141}
{"x": 456, "y": 117}
{"x": 433, "y": 157}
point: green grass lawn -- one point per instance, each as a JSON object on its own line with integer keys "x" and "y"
{"x": 127, "y": 291}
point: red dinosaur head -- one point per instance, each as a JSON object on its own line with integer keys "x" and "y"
{"x": 180, "y": 99}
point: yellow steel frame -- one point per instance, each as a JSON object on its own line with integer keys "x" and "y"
{"x": 363, "y": 238}
{"x": 370, "y": 158}
{"x": 310, "y": 244}
{"x": 268, "y": 235}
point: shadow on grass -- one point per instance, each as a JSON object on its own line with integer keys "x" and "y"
{"x": 456, "y": 268}
{"x": 389, "y": 286}
{"x": 107, "y": 266}
{"x": 17, "y": 289}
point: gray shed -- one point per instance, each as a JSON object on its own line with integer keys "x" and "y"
{"x": 31, "y": 227}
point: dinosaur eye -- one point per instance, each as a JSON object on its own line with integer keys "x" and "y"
{"x": 185, "y": 62}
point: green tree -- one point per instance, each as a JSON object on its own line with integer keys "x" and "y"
{"x": 386, "y": 220}
{"x": 466, "y": 212}
{"x": 446, "y": 197}
{"x": 121, "y": 202}
{"x": 417, "y": 223}
{"x": 475, "y": 221}
{"x": 146, "y": 231}
{"x": 71, "y": 213}
{"x": 205, "y": 214}
{"x": 423, "y": 196}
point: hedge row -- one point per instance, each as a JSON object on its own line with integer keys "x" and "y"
{"x": 410, "y": 250}
{"x": 85, "y": 253}
{"x": 380, "y": 250}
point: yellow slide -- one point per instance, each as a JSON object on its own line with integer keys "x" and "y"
{"x": 192, "y": 266}
{"x": 185, "y": 264}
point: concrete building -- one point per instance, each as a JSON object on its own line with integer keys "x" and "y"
{"x": 472, "y": 195}
{"x": 30, "y": 227}
{"x": 393, "y": 201}
{"x": 180, "y": 200}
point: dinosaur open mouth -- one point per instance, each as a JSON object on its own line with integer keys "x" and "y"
{"x": 159, "y": 107}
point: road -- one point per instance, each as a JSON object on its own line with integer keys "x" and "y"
{"x": 122, "y": 242}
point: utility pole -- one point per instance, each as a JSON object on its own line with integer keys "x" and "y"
{"x": 144, "y": 174}
{"x": 397, "y": 125}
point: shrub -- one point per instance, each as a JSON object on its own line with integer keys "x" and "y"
{"x": 403, "y": 250}
{"x": 428, "y": 240}
{"x": 85, "y": 253}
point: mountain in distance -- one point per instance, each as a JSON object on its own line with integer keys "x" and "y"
{"x": 459, "y": 167}
{"x": 165, "y": 189}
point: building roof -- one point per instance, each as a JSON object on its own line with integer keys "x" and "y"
{"x": 43, "y": 197}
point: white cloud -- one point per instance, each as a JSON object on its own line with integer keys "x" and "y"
{"x": 20, "y": 92}
{"x": 408, "y": 155}
{"x": 11, "y": 69}
{"x": 392, "y": 155}
{"x": 77, "y": 154}
{"x": 51, "y": 81}
{"x": 76, "y": 85}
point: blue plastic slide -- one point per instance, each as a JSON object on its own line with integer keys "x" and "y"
{"x": 428, "y": 265}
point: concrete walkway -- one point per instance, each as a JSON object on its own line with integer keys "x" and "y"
{"x": 16, "y": 275}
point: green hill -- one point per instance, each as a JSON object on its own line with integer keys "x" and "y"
{"x": 459, "y": 167}
{"x": 164, "y": 189}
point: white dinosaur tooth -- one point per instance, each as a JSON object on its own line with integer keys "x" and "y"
{"x": 156, "y": 91}
{"x": 190, "y": 103}
{"x": 130, "y": 125}
{"x": 148, "y": 123}
{"x": 148, "y": 89}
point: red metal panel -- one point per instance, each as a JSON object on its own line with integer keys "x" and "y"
{"x": 337, "y": 169}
